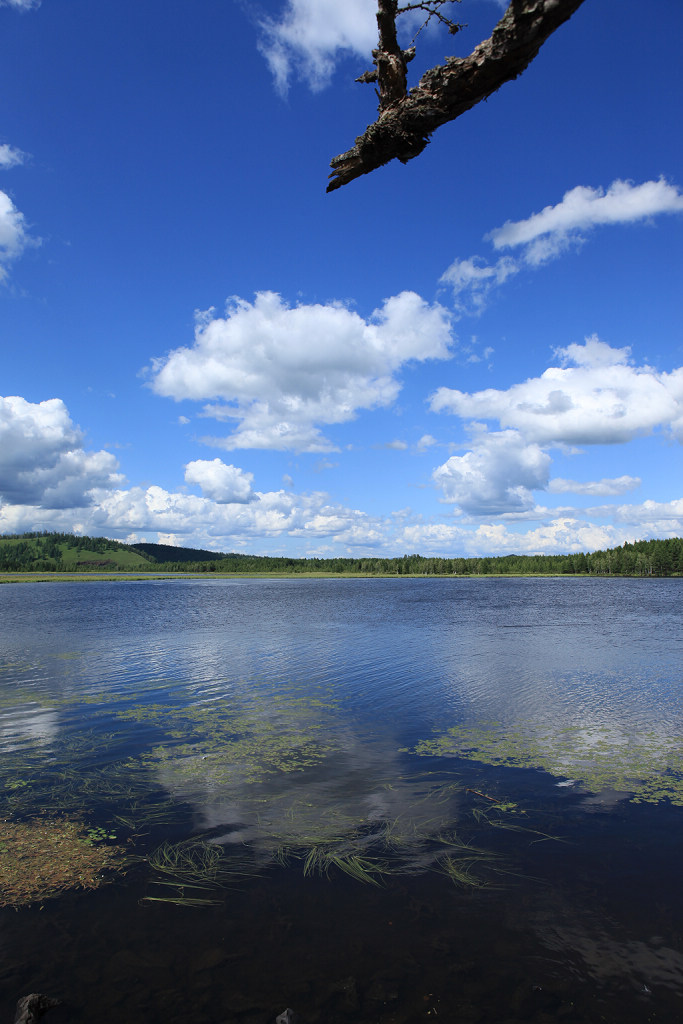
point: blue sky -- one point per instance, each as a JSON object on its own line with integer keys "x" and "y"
{"x": 479, "y": 352}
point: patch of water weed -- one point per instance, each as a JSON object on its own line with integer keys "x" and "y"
{"x": 370, "y": 851}
{"x": 361, "y": 869}
{"x": 98, "y": 834}
{"x": 17, "y": 689}
{"x": 141, "y": 816}
{"x": 342, "y": 854}
{"x": 222, "y": 744}
{"x": 182, "y": 899}
{"x": 646, "y": 765}
{"x": 118, "y": 795}
{"x": 459, "y": 870}
{"x": 264, "y": 756}
{"x": 191, "y": 873}
{"x": 44, "y": 857}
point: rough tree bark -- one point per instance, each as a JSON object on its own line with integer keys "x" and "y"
{"x": 31, "y": 1008}
{"x": 407, "y": 119}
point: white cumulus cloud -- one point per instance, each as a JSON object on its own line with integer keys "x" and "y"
{"x": 560, "y": 535}
{"x": 660, "y": 518}
{"x": 498, "y": 476}
{"x": 48, "y": 481}
{"x": 224, "y": 484}
{"x": 279, "y": 371}
{"x": 202, "y": 521}
{"x": 42, "y": 460}
{"x": 563, "y": 535}
{"x": 601, "y": 399}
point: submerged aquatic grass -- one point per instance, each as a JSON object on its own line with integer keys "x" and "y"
{"x": 459, "y": 870}
{"x": 44, "y": 857}
{"x": 320, "y": 859}
{"x": 190, "y": 867}
{"x": 372, "y": 852}
{"x": 182, "y": 900}
{"x": 189, "y": 862}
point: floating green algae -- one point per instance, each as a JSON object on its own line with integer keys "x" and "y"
{"x": 646, "y": 765}
{"x": 223, "y": 743}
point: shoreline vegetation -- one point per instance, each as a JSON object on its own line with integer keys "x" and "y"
{"x": 62, "y": 555}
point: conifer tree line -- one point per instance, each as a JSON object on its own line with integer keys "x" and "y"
{"x": 63, "y": 552}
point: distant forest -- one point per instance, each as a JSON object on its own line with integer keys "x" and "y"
{"x": 63, "y": 552}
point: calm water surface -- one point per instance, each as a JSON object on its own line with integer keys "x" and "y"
{"x": 499, "y": 760}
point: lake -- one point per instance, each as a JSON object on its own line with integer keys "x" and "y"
{"x": 370, "y": 800}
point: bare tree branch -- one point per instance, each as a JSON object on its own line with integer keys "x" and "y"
{"x": 432, "y": 8}
{"x": 407, "y": 119}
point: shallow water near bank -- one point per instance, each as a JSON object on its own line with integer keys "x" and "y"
{"x": 370, "y": 800}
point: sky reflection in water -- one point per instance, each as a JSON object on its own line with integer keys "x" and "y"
{"x": 266, "y": 703}
{"x": 368, "y": 727}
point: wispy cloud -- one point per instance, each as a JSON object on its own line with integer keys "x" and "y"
{"x": 545, "y": 236}
{"x": 473, "y": 279}
{"x": 310, "y": 36}
{"x": 21, "y": 5}
{"x": 10, "y": 157}
{"x": 418, "y": 447}
{"x": 614, "y": 486}
{"x": 14, "y": 236}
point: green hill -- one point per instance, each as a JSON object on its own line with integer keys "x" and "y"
{"x": 167, "y": 553}
{"x": 64, "y": 552}
{"x": 55, "y": 552}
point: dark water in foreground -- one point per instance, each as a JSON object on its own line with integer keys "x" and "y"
{"x": 504, "y": 757}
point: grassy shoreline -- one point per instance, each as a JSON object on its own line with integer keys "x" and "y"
{"x": 133, "y": 577}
